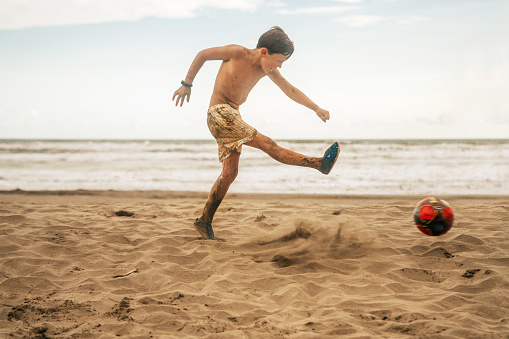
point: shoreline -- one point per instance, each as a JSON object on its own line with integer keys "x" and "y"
{"x": 161, "y": 194}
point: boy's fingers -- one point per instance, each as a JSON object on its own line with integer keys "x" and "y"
{"x": 180, "y": 98}
{"x": 177, "y": 95}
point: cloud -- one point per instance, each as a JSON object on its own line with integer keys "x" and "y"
{"x": 430, "y": 77}
{"x": 315, "y": 10}
{"x": 18, "y": 14}
{"x": 409, "y": 20}
{"x": 362, "y": 20}
{"x": 275, "y": 3}
{"x": 350, "y": 1}
{"x": 370, "y": 20}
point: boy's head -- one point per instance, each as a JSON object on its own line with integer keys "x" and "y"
{"x": 276, "y": 41}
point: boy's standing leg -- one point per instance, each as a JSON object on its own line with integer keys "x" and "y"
{"x": 230, "y": 168}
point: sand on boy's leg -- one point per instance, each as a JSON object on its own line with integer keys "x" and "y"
{"x": 230, "y": 167}
{"x": 230, "y": 170}
{"x": 289, "y": 157}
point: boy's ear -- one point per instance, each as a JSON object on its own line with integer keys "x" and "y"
{"x": 264, "y": 51}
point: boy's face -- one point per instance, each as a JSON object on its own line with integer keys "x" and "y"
{"x": 272, "y": 61}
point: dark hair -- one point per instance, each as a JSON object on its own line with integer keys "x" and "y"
{"x": 276, "y": 41}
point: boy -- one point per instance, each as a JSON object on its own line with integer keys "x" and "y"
{"x": 240, "y": 70}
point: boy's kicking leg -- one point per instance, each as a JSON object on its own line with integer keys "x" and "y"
{"x": 286, "y": 156}
{"x": 228, "y": 174}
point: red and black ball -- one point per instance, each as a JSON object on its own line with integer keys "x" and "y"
{"x": 433, "y": 216}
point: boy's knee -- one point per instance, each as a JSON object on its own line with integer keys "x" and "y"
{"x": 272, "y": 143}
{"x": 268, "y": 143}
{"x": 262, "y": 142}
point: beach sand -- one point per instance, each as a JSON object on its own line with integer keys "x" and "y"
{"x": 285, "y": 266}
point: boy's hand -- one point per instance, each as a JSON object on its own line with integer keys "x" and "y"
{"x": 322, "y": 114}
{"x": 181, "y": 94}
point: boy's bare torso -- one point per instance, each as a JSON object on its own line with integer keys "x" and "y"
{"x": 236, "y": 78}
{"x": 240, "y": 71}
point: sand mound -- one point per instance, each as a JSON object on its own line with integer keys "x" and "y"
{"x": 312, "y": 242}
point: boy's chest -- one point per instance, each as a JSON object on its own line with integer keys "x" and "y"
{"x": 242, "y": 74}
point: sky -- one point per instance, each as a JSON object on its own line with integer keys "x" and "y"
{"x": 385, "y": 69}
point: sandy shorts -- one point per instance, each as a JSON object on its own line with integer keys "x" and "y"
{"x": 230, "y": 131}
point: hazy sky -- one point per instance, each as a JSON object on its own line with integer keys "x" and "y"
{"x": 107, "y": 69}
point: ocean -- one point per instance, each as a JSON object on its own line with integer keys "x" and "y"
{"x": 365, "y": 167}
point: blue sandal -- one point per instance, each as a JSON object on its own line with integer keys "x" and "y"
{"x": 205, "y": 229}
{"x": 329, "y": 158}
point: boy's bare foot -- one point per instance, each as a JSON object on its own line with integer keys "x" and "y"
{"x": 205, "y": 229}
{"x": 329, "y": 158}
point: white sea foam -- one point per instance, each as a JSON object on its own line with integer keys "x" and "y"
{"x": 364, "y": 167}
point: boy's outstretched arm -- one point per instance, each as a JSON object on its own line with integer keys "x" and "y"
{"x": 214, "y": 53}
{"x": 296, "y": 95}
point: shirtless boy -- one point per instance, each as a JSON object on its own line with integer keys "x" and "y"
{"x": 240, "y": 70}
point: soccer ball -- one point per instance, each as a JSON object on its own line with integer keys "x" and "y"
{"x": 433, "y": 216}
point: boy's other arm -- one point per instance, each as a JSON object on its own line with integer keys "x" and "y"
{"x": 296, "y": 95}
{"x": 215, "y": 53}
